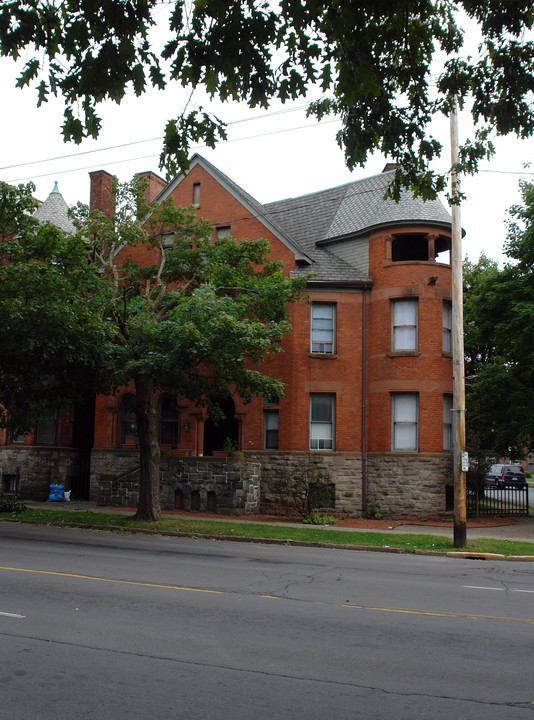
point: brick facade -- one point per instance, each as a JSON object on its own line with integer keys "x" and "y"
{"x": 365, "y": 253}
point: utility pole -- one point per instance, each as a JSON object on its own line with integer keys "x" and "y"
{"x": 460, "y": 512}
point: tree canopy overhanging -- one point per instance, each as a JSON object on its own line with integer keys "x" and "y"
{"x": 499, "y": 327}
{"x": 143, "y": 297}
{"x": 372, "y": 62}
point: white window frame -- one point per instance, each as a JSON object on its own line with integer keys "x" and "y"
{"x": 404, "y": 324}
{"x": 405, "y": 422}
{"x": 322, "y": 430}
{"x": 447, "y": 423}
{"x": 323, "y": 333}
{"x": 447, "y": 327}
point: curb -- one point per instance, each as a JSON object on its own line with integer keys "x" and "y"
{"x": 466, "y": 555}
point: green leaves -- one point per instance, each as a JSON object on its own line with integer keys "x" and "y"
{"x": 374, "y": 59}
{"x": 499, "y": 325}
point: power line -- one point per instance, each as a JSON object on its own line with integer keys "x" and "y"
{"x": 147, "y": 140}
{"x": 145, "y": 157}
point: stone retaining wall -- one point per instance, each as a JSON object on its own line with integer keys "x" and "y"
{"x": 36, "y": 467}
{"x": 226, "y": 485}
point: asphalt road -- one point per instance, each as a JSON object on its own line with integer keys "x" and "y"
{"x": 112, "y": 627}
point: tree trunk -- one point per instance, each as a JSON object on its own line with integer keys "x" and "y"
{"x": 148, "y": 507}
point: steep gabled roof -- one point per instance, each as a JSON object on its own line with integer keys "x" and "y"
{"x": 249, "y": 203}
{"x": 308, "y": 224}
{"x": 55, "y": 211}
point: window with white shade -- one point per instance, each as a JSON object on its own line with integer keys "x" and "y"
{"x": 404, "y": 325}
{"x": 270, "y": 429}
{"x": 322, "y": 414}
{"x": 323, "y": 317}
{"x": 447, "y": 327}
{"x": 404, "y": 422}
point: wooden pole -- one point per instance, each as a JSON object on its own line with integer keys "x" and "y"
{"x": 460, "y": 512}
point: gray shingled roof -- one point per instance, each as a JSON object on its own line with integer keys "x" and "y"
{"x": 348, "y": 211}
{"x": 55, "y": 210}
{"x": 351, "y": 210}
{"x": 342, "y": 217}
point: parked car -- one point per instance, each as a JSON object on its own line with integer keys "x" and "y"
{"x": 502, "y": 476}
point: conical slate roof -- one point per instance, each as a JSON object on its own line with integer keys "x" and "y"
{"x": 55, "y": 210}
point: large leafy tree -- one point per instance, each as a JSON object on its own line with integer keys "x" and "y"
{"x": 50, "y": 337}
{"x": 499, "y": 326}
{"x": 371, "y": 62}
{"x": 145, "y": 295}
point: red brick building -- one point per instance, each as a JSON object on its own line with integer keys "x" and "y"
{"x": 367, "y": 368}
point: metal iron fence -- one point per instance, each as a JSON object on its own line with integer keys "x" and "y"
{"x": 490, "y": 500}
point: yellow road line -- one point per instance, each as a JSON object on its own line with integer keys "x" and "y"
{"x": 406, "y": 611}
{"x": 111, "y": 580}
{"x": 432, "y": 613}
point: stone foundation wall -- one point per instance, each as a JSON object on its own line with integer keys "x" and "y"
{"x": 401, "y": 484}
{"x": 398, "y": 484}
{"x": 344, "y": 471}
{"x": 37, "y": 467}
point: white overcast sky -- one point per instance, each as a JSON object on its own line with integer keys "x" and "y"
{"x": 270, "y": 154}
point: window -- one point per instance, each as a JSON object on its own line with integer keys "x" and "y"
{"x": 447, "y": 327}
{"x": 10, "y": 484}
{"x": 409, "y": 248}
{"x": 128, "y": 422}
{"x": 404, "y": 325}
{"x": 224, "y": 231}
{"x": 45, "y": 432}
{"x": 322, "y": 327}
{"x": 447, "y": 423}
{"x": 270, "y": 429}
{"x": 168, "y": 419}
{"x": 404, "y": 420}
{"x": 322, "y": 412}
{"x": 196, "y": 194}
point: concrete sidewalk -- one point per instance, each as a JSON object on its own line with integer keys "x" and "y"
{"x": 520, "y": 528}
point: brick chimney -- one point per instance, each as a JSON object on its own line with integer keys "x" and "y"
{"x": 155, "y": 184}
{"x": 102, "y": 196}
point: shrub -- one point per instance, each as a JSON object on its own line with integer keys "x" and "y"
{"x": 11, "y": 504}
{"x": 318, "y": 518}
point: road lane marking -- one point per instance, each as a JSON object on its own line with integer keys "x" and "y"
{"x": 480, "y": 587}
{"x": 111, "y": 580}
{"x": 13, "y": 615}
{"x": 431, "y": 613}
{"x": 500, "y": 589}
{"x": 406, "y": 611}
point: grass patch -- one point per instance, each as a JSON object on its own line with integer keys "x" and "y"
{"x": 409, "y": 543}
